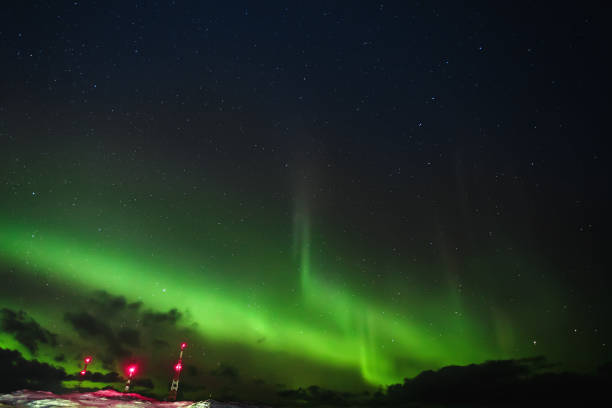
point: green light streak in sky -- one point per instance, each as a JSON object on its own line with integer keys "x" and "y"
{"x": 333, "y": 328}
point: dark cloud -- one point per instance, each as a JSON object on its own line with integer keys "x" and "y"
{"x": 128, "y": 336}
{"x": 100, "y": 325}
{"x": 18, "y": 373}
{"x": 134, "y": 306}
{"x": 60, "y": 358}
{"x": 226, "y": 371}
{"x": 151, "y": 318}
{"x": 87, "y": 326}
{"x": 160, "y": 343}
{"x": 91, "y": 328}
{"x": 192, "y": 370}
{"x": 25, "y": 329}
{"x": 117, "y": 341}
{"x": 108, "y": 302}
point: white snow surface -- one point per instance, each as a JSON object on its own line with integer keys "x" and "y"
{"x": 103, "y": 398}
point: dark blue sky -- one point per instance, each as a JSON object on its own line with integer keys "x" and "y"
{"x": 396, "y": 94}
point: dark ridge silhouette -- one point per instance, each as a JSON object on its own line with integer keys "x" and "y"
{"x": 25, "y": 329}
{"x": 17, "y": 373}
{"x": 498, "y": 383}
{"x": 522, "y": 382}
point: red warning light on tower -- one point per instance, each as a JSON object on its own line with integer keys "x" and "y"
{"x": 177, "y": 373}
{"x": 131, "y": 371}
{"x": 87, "y": 360}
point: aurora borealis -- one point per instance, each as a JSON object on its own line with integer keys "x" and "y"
{"x": 309, "y": 195}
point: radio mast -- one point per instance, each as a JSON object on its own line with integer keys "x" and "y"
{"x": 177, "y": 373}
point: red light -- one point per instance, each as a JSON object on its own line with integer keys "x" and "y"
{"x": 87, "y": 360}
{"x": 83, "y": 372}
{"x": 183, "y": 346}
{"x": 178, "y": 367}
{"x": 131, "y": 370}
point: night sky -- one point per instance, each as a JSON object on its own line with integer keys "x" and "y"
{"x": 339, "y": 194}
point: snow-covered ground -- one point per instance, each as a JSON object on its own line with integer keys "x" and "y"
{"x": 104, "y": 398}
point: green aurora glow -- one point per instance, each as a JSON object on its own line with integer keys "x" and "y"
{"x": 351, "y": 335}
{"x": 276, "y": 289}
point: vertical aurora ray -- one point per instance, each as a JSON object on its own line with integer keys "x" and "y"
{"x": 369, "y": 326}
